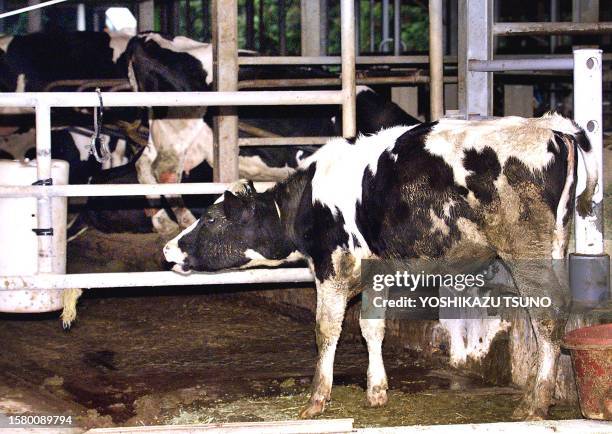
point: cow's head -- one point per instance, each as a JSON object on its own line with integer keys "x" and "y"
{"x": 245, "y": 229}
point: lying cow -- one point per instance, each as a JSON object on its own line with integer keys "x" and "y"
{"x": 472, "y": 190}
{"x": 181, "y": 137}
{"x": 71, "y": 144}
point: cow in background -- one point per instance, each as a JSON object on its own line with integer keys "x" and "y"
{"x": 181, "y": 137}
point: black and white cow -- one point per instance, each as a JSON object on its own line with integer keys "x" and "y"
{"x": 453, "y": 189}
{"x": 71, "y": 145}
{"x": 30, "y": 62}
{"x": 181, "y": 137}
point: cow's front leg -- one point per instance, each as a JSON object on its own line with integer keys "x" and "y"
{"x": 331, "y": 304}
{"x": 373, "y": 331}
{"x": 168, "y": 169}
{"x": 162, "y": 223}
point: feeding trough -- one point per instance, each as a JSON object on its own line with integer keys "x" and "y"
{"x": 591, "y": 349}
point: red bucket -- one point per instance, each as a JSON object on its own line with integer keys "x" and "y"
{"x": 591, "y": 349}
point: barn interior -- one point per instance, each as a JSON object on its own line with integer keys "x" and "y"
{"x": 202, "y": 354}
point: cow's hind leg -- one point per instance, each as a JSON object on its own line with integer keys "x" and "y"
{"x": 537, "y": 279}
{"x": 331, "y": 304}
{"x": 373, "y": 331}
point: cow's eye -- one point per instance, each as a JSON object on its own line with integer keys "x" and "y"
{"x": 210, "y": 219}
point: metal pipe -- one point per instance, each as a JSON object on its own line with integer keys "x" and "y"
{"x": 397, "y": 28}
{"x": 349, "y": 110}
{"x": 81, "y": 190}
{"x": 43, "y": 204}
{"x": 558, "y": 28}
{"x": 174, "y": 99}
{"x": 588, "y": 114}
{"x": 282, "y": 27}
{"x": 436, "y": 63}
{"x": 385, "y": 22}
{"x": 153, "y": 278}
{"x": 307, "y": 82}
{"x": 283, "y": 141}
{"x": 336, "y": 60}
{"x": 357, "y": 27}
{"x": 521, "y": 65}
{"x": 372, "y": 40}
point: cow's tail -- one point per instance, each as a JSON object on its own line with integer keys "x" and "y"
{"x": 584, "y": 202}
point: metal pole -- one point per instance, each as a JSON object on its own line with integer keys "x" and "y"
{"x": 82, "y": 190}
{"x": 385, "y": 24}
{"x": 146, "y": 15}
{"x": 555, "y": 64}
{"x": 475, "y": 42}
{"x": 436, "y": 60}
{"x": 154, "y": 278}
{"x": 397, "y": 28}
{"x": 559, "y": 28}
{"x": 358, "y": 26}
{"x": 282, "y": 27}
{"x": 336, "y": 60}
{"x": 34, "y": 18}
{"x": 81, "y": 23}
{"x": 225, "y": 43}
{"x": 372, "y": 41}
{"x": 43, "y": 203}
{"x": 188, "y": 18}
{"x": 588, "y": 114}
{"x": 349, "y": 113}
{"x": 250, "y": 24}
{"x": 170, "y": 99}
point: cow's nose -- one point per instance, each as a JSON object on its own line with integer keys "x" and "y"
{"x": 173, "y": 253}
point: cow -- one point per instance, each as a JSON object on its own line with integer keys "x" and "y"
{"x": 454, "y": 189}
{"x": 72, "y": 145}
{"x": 29, "y": 63}
{"x": 181, "y": 138}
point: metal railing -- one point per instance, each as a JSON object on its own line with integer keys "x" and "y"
{"x": 43, "y": 102}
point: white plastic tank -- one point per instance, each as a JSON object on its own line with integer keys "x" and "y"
{"x": 19, "y": 252}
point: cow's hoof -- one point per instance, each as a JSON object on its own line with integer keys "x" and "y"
{"x": 529, "y": 412}
{"x": 312, "y": 409}
{"x": 377, "y": 397}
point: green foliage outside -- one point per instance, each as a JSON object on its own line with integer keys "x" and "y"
{"x": 415, "y": 22}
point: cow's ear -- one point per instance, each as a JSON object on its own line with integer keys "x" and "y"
{"x": 235, "y": 208}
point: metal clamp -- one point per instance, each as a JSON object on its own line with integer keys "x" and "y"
{"x": 43, "y": 232}
{"x": 48, "y": 181}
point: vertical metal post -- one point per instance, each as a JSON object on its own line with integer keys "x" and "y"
{"x": 323, "y": 23}
{"x": 188, "y": 18}
{"x": 347, "y": 21}
{"x": 588, "y": 114}
{"x": 225, "y": 44}
{"x": 206, "y": 24}
{"x": 475, "y": 42}
{"x": 34, "y": 18}
{"x": 43, "y": 172}
{"x": 261, "y": 30}
{"x": 146, "y": 15}
{"x": 385, "y": 24}
{"x": 249, "y": 9}
{"x": 358, "y": 26}
{"x": 282, "y": 27}
{"x": 311, "y": 27}
{"x": 2, "y": 9}
{"x": 372, "y": 36}
{"x": 436, "y": 60}
{"x": 397, "y": 28}
{"x": 81, "y": 23}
